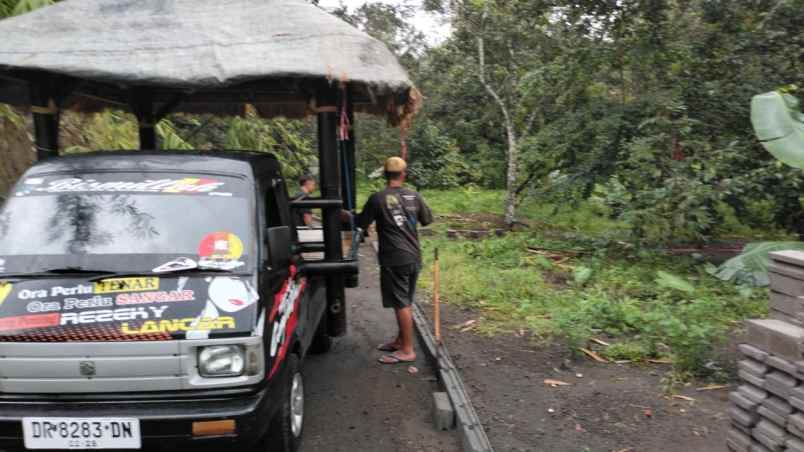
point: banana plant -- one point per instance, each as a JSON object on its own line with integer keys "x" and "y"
{"x": 780, "y": 128}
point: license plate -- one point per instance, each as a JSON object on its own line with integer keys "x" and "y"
{"x": 81, "y": 433}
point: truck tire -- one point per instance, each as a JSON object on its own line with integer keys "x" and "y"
{"x": 322, "y": 342}
{"x": 286, "y": 428}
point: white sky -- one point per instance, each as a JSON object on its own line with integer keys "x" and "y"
{"x": 428, "y": 24}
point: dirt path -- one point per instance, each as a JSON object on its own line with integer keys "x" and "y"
{"x": 608, "y": 407}
{"x": 355, "y": 404}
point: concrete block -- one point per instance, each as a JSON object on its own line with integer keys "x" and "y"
{"x": 753, "y": 393}
{"x": 794, "y": 426}
{"x": 788, "y": 367}
{"x": 742, "y": 401}
{"x": 783, "y": 302}
{"x": 798, "y": 392}
{"x": 778, "y": 406}
{"x": 752, "y": 352}
{"x": 783, "y": 317}
{"x": 742, "y": 428}
{"x": 793, "y": 258}
{"x": 753, "y": 367}
{"x": 786, "y": 282}
{"x": 770, "y": 435}
{"x": 738, "y": 441}
{"x": 796, "y": 420}
{"x": 443, "y": 413}
{"x": 797, "y": 403}
{"x": 743, "y": 417}
{"x": 752, "y": 379}
{"x": 776, "y": 418}
{"x": 776, "y": 337}
{"x": 794, "y": 445}
{"x": 780, "y": 383}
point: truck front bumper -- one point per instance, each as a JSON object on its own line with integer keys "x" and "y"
{"x": 166, "y": 421}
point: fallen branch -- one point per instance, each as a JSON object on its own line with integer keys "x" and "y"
{"x": 712, "y": 387}
{"x": 594, "y": 355}
{"x": 555, "y": 383}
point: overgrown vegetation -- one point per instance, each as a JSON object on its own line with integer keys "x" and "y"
{"x": 615, "y": 128}
{"x": 570, "y": 279}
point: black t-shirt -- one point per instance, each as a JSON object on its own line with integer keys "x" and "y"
{"x": 299, "y": 213}
{"x": 397, "y": 212}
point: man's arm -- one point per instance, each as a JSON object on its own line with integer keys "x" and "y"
{"x": 425, "y": 214}
{"x": 367, "y": 216}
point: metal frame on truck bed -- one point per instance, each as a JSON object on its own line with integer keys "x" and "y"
{"x": 153, "y": 58}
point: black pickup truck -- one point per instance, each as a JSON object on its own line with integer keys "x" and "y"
{"x": 155, "y": 300}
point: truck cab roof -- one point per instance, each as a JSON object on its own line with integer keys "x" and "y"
{"x": 237, "y": 163}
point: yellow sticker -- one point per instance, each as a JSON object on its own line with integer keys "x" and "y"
{"x": 113, "y": 285}
{"x": 5, "y": 289}
{"x": 177, "y": 325}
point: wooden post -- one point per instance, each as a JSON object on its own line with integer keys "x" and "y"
{"x": 437, "y": 298}
{"x": 45, "y": 114}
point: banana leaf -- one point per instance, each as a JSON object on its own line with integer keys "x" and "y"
{"x": 751, "y": 266}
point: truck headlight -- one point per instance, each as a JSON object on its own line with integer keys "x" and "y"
{"x": 221, "y": 361}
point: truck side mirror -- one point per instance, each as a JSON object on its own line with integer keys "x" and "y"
{"x": 279, "y": 245}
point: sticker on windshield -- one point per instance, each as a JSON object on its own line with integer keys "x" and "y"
{"x": 126, "y": 308}
{"x": 113, "y": 285}
{"x": 187, "y": 185}
{"x": 178, "y": 264}
{"x": 5, "y": 289}
{"x": 220, "y": 250}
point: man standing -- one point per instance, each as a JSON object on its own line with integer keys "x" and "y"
{"x": 304, "y": 217}
{"x": 397, "y": 211}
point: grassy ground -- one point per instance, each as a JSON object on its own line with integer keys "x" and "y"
{"x": 568, "y": 277}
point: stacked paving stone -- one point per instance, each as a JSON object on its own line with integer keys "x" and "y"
{"x": 767, "y": 409}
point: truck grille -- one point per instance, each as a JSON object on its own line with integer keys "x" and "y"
{"x": 110, "y": 367}
{"x": 82, "y": 333}
{"x": 70, "y": 367}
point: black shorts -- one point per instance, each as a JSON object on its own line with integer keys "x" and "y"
{"x": 398, "y": 285}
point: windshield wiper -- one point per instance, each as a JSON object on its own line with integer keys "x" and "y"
{"x": 60, "y": 271}
{"x": 185, "y": 271}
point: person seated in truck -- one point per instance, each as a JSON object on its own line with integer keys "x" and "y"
{"x": 304, "y": 217}
{"x": 397, "y": 211}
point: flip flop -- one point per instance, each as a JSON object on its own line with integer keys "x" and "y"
{"x": 393, "y": 359}
{"x": 387, "y": 348}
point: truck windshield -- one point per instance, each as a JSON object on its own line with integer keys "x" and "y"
{"x": 127, "y": 222}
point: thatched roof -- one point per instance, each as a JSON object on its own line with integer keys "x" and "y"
{"x": 273, "y": 54}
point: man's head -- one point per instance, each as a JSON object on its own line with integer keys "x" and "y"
{"x": 395, "y": 169}
{"x": 307, "y": 183}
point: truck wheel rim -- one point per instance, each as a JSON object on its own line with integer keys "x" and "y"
{"x": 297, "y": 405}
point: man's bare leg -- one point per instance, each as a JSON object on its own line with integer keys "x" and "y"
{"x": 404, "y": 318}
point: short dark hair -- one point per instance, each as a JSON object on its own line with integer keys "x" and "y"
{"x": 304, "y": 179}
{"x": 393, "y": 175}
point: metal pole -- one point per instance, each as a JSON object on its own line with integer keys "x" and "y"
{"x": 350, "y": 152}
{"x": 45, "y": 114}
{"x": 142, "y": 105}
{"x": 330, "y": 174}
{"x": 437, "y": 298}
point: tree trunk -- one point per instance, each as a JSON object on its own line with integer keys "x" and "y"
{"x": 511, "y": 176}
{"x": 513, "y": 151}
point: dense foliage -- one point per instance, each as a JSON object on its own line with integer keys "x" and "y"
{"x": 645, "y": 104}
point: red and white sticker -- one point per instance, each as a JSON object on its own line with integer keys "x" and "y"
{"x": 285, "y": 316}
